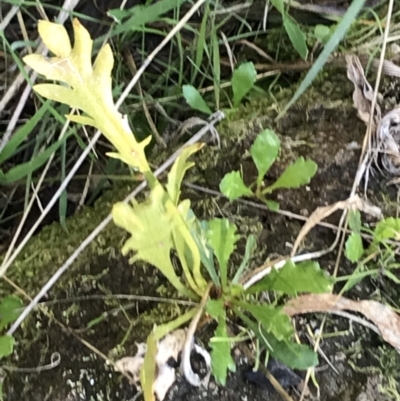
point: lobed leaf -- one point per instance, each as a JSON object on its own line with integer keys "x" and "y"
{"x": 388, "y": 228}
{"x": 151, "y": 234}
{"x": 221, "y": 358}
{"x": 296, "y": 356}
{"x": 272, "y": 319}
{"x": 55, "y": 37}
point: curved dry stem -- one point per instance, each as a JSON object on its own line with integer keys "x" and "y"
{"x": 186, "y": 366}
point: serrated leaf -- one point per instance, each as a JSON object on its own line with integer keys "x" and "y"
{"x": 295, "y": 278}
{"x": 296, "y": 36}
{"x": 221, "y": 358}
{"x": 6, "y": 345}
{"x": 233, "y": 187}
{"x": 264, "y": 151}
{"x": 222, "y": 238}
{"x": 297, "y": 174}
{"x": 194, "y": 99}
{"x": 354, "y": 247}
{"x": 151, "y": 234}
{"x": 296, "y": 356}
{"x": 272, "y": 319}
{"x": 242, "y": 81}
{"x": 388, "y": 228}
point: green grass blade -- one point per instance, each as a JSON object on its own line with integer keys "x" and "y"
{"x": 20, "y": 136}
{"x": 201, "y": 42}
{"x": 22, "y": 170}
{"x": 216, "y": 69}
{"x": 141, "y": 15}
{"x": 333, "y": 42}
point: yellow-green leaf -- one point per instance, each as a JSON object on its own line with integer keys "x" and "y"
{"x": 178, "y": 171}
{"x": 60, "y": 94}
{"x": 148, "y": 372}
{"x": 89, "y": 91}
{"x": 81, "y": 119}
{"x": 82, "y": 51}
{"x": 55, "y": 37}
{"x": 102, "y": 72}
{"x": 221, "y": 358}
{"x": 50, "y": 68}
{"x": 151, "y": 234}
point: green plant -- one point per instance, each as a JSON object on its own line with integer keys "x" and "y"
{"x": 329, "y": 48}
{"x": 164, "y": 224}
{"x": 10, "y": 308}
{"x": 264, "y": 153}
{"x": 292, "y": 29}
{"x": 242, "y": 82}
{"x": 379, "y": 257}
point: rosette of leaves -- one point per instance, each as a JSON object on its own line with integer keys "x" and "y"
{"x": 264, "y": 153}
{"x": 217, "y": 241}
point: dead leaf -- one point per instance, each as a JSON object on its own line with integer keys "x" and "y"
{"x": 130, "y": 366}
{"x": 385, "y": 319}
{"x": 363, "y": 92}
{"x": 168, "y": 347}
{"x": 388, "y": 141}
{"x": 321, "y": 213}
